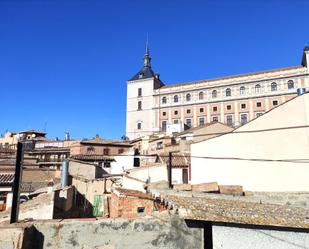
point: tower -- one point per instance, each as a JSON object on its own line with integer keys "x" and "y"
{"x": 140, "y": 115}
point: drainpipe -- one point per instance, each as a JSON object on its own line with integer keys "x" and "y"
{"x": 64, "y": 173}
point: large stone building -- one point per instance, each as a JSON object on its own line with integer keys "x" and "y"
{"x": 234, "y": 100}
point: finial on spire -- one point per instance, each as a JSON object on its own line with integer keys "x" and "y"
{"x": 147, "y": 56}
{"x": 147, "y": 47}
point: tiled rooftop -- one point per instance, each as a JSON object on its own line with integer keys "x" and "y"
{"x": 268, "y": 211}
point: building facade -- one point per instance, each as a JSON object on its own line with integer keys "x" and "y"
{"x": 233, "y": 100}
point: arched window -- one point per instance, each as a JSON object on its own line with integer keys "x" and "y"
{"x": 164, "y": 100}
{"x": 228, "y": 92}
{"x": 290, "y": 84}
{"x": 214, "y": 94}
{"x": 176, "y": 99}
{"x": 242, "y": 90}
{"x": 273, "y": 86}
{"x": 188, "y": 97}
{"x": 201, "y": 95}
{"x": 257, "y": 88}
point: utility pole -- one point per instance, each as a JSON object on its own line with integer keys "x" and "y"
{"x": 169, "y": 170}
{"x": 17, "y": 181}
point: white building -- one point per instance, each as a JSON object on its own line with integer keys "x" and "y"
{"x": 270, "y": 153}
{"x": 234, "y": 100}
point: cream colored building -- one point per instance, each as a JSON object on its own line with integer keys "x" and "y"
{"x": 234, "y": 100}
{"x": 270, "y": 153}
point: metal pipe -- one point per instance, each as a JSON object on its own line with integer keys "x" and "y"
{"x": 64, "y": 173}
{"x": 17, "y": 181}
{"x": 169, "y": 170}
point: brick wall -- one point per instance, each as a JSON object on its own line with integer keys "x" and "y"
{"x": 127, "y": 207}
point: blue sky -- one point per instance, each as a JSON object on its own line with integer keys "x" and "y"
{"x": 64, "y": 64}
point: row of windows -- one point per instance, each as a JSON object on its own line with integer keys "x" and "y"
{"x": 201, "y": 121}
{"x": 228, "y": 92}
{"x": 228, "y": 107}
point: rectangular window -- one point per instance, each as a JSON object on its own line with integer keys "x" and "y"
{"x": 159, "y": 145}
{"x": 176, "y": 112}
{"x": 139, "y": 92}
{"x": 215, "y": 108}
{"x": 188, "y": 111}
{"x": 139, "y": 126}
{"x": 163, "y": 113}
{"x": 120, "y": 151}
{"x": 243, "y": 106}
{"x": 106, "y": 152}
{"x": 139, "y": 105}
{"x": 229, "y": 120}
{"x": 164, "y": 125}
{"x": 201, "y": 109}
{"x": 258, "y": 104}
{"x": 243, "y": 118}
{"x": 175, "y": 121}
{"x": 188, "y": 122}
{"x": 275, "y": 102}
{"x": 141, "y": 210}
{"x": 258, "y": 114}
{"x": 228, "y": 107}
{"x": 215, "y": 119}
{"x": 201, "y": 121}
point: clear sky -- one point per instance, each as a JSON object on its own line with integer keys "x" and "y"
{"x": 64, "y": 64}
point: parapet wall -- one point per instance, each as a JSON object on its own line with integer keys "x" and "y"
{"x": 166, "y": 233}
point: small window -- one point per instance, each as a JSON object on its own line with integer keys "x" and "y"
{"x": 176, "y": 99}
{"x": 275, "y": 102}
{"x": 201, "y": 109}
{"x": 215, "y": 119}
{"x": 258, "y": 104}
{"x": 201, "y": 121}
{"x": 273, "y": 87}
{"x": 188, "y": 97}
{"x": 107, "y": 164}
{"x": 201, "y": 95}
{"x": 229, "y": 120}
{"x": 188, "y": 122}
{"x": 120, "y": 151}
{"x": 228, "y": 107}
{"x": 290, "y": 84}
{"x": 139, "y": 105}
{"x": 139, "y": 92}
{"x": 214, "y": 94}
{"x": 228, "y": 92}
{"x": 258, "y": 114}
{"x": 141, "y": 210}
{"x": 215, "y": 108}
{"x": 242, "y": 90}
{"x": 176, "y": 112}
{"x": 106, "y": 152}
{"x": 243, "y": 106}
{"x": 243, "y": 118}
{"x": 164, "y": 125}
{"x": 164, "y": 100}
{"x": 257, "y": 88}
{"x": 159, "y": 145}
{"x": 188, "y": 111}
{"x": 163, "y": 113}
{"x": 90, "y": 149}
{"x": 139, "y": 126}
{"x": 175, "y": 121}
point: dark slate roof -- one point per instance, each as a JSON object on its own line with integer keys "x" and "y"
{"x": 306, "y": 48}
{"x": 144, "y": 73}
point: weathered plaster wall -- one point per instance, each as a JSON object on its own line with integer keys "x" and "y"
{"x": 150, "y": 233}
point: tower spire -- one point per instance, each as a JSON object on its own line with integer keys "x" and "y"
{"x": 147, "y": 58}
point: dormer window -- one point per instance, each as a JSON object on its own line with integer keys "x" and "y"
{"x": 140, "y": 75}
